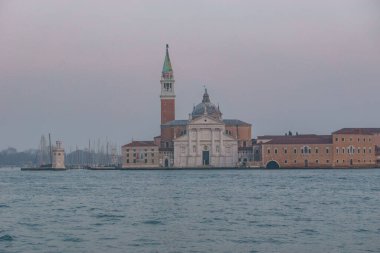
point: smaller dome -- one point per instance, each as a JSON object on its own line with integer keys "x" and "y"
{"x": 206, "y": 108}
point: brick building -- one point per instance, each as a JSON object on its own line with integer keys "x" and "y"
{"x": 356, "y": 147}
{"x": 345, "y": 148}
{"x": 140, "y": 154}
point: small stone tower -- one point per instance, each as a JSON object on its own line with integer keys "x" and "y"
{"x": 58, "y": 156}
{"x": 167, "y": 91}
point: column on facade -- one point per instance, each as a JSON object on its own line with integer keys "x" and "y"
{"x": 189, "y": 147}
{"x": 221, "y": 142}
{"x": 212, "y": 141}
{"x": 198, "y": 150}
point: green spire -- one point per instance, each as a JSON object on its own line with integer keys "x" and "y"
{"x": 167, "y": 65}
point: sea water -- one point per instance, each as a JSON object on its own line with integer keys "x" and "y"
{"x": 190, "y": 211}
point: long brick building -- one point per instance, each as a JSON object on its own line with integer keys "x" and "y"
{"x": 345, "y": 148}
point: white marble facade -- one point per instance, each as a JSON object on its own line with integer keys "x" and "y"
{"x": 205, "y": 143}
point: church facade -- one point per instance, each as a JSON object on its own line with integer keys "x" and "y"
{"x": 205, "y": 139}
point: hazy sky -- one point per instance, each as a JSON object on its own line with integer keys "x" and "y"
{"x": 83, "y": 69}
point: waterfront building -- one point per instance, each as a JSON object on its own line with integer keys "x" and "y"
{"x": 296, "y": 151}
{"x": 356, "y": 147}
{"x": 206, "y": 139}
{"x": 345, "y": 148}
{"x": 140, "y": 154}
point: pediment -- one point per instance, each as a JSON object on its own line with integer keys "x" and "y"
{"x": 205, "y": 120}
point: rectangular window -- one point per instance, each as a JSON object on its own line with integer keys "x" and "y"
{"x": 134, "y": 160}
{"x": 342, "y": 139}
{"x": 342, "y": 150}
{"x": 295, "y": 151}
{"x": 337, "y": 150}
{"x": 134, "y": 154}
{"x": 275, "y": 151}
{"x": 363, "y": 150}
{"x": 336, "y": 139}
{"x": 327, "y": 150}
{"x": 127, "y": 160}
{"x": 152, "y": 155}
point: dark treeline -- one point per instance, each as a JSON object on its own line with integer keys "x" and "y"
{"x": 10, "y": 157}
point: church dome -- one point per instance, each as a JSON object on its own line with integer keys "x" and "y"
{"x": 206, "y": 108}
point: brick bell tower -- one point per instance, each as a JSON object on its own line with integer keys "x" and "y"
{"x": 167, "y": 91}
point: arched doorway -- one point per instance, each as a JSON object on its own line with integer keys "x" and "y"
{"x": 272, "y": 165}
{"x": 206, "y": 157}
{"x": 166, "y": 162}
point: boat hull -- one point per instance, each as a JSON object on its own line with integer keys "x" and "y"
{"x": 43, "y": 169}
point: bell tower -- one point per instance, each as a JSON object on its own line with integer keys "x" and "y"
{"x": 167, "y": 91}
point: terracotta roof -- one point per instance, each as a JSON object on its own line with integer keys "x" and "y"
{"x": 299, "y": 139}
{"x": 235, "y": 122}
{"x": 140, "y": 144}
{"x": 366, "y": 131}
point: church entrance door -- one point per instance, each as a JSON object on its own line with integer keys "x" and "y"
{"x": 206, "y": 157}
{"x": 166, "y": 163}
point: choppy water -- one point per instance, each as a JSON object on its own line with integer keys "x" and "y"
{"x": 190, "y": 211}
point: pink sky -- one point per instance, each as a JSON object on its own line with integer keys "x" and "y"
{"x": 84, "y": 69}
